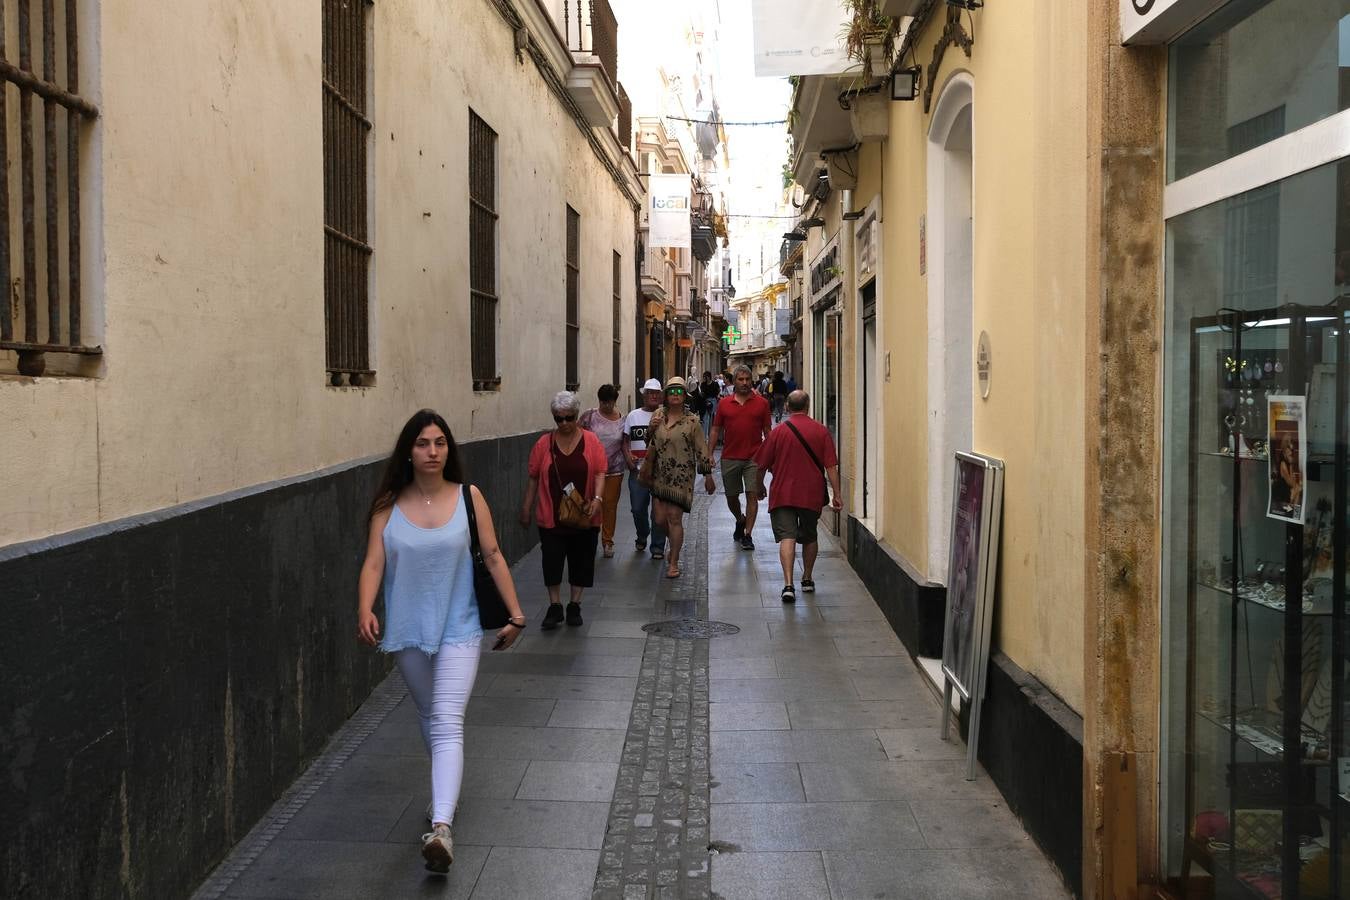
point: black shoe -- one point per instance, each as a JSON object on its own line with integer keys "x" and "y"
{"x": 808, "y": 586}
{"x": 739, "y": 533}
{"x": 574, "y": 614}
{"x": 747, "y": 543}
{"x": 553, "y": 618}
{"x": 658, "y": 553}
{"x": 789, "y": 595}
{"x": 640, "y": 544}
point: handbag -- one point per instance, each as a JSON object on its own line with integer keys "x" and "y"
{"x": 492, "y": 611}
{"x": 825, "y": 481}
{"x": 571, "y": 512}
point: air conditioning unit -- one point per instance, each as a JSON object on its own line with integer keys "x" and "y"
{"x": 898, "y": 8}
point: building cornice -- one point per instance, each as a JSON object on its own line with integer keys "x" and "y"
{"x": 548, "y": 50}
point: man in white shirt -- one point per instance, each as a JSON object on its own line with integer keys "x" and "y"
{"x": 635, "y": 427}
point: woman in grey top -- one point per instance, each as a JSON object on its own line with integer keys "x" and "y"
{"x": 606, "y": 422}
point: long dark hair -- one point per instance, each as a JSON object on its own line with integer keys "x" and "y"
{"x": 398, "y": 471}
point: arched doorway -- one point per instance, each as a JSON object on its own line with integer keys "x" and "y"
{"x": 950, "y": 304}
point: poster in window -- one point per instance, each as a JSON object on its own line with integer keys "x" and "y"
{"x": 1287, "y": 427}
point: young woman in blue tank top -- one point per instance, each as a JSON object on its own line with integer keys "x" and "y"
{"x": 419, "y": 549}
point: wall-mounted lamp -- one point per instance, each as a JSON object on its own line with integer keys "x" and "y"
{"x": 793, "y": 236}
{"x": 905, "y": 83}
{"x": 813, "y": 222}
{"x": 966, "y": 4}
{"x": 855, "y": 215}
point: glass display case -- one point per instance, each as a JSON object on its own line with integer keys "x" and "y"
{"x": 1266, "y": 764}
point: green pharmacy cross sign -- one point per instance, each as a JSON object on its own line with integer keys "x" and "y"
{"x": 731, "y": 335}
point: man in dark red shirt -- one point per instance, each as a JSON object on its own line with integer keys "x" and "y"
{"x": 801, "y": 455}
{"x": 745, "y": 420}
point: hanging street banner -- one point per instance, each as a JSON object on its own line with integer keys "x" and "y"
{"x": 799, "y": 37}
{"x": 668, "y": 211}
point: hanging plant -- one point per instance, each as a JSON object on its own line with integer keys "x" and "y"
{"x": 867, "y": 25}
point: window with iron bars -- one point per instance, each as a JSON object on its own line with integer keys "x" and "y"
{"x": 483, "y": 254}
{"x": 573, "y": 311}
{"x": 49, "y": 155}
{"x": 346, "y": 245}
{"x": 618, "y": 315}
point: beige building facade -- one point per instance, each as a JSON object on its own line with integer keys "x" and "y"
{"x": 298, "y": 224}
{"x": 1104, "y": 243}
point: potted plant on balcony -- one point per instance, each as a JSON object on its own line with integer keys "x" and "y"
{"x": 869, "y": 36}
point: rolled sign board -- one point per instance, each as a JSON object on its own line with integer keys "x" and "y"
{"x": 1160, "y": 21}
{"x": 668, "y": 211}
{"x": 972, "y": 569}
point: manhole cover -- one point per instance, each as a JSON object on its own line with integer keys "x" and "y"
{"x": 689, "y": 629}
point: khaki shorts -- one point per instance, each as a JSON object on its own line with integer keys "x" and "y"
{"x": 739, "y": 476}
{"x": 792, "y": 523}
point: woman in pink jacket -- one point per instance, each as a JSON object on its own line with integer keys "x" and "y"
{"x": 567, "y": 469}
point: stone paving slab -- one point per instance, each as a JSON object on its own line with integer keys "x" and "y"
{"x": 797, "y": 758}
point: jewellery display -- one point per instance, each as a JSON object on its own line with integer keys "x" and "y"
{"x": 1253, "y": 580}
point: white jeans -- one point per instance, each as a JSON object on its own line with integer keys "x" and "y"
{"x": 440, "y": 686}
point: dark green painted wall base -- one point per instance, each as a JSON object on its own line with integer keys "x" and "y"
{"x": 166, "y": 677}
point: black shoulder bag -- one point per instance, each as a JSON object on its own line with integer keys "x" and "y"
{"x": 825, "y": 481}
{"x": 491, "y": 610}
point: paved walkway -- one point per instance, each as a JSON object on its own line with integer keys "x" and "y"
{"x": 603, "y": 762}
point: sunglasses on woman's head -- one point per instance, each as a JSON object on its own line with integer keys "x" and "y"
{"x": 562, "y": 419}
{"x": 676, "y": 391}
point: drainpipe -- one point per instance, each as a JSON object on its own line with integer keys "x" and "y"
{"x": 847, "y": 325}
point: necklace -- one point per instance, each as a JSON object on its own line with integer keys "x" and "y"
{"x": 426, "y": 498}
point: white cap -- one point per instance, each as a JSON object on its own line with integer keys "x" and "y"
{"x": 652, "y": 385}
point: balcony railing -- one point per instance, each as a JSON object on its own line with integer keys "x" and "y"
{"x": 592, "y": 28}
{"x": 657, "y": 267}
{"x": 625, "y": 123}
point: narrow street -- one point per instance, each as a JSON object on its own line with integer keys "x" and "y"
{"x": 604, "y": 762}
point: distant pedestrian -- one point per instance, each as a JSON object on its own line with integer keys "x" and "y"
{"x": 635, "y": 428}
{"x": 778, "y": 392}
{"x": 675, "y": 449}
{"x": 566, "y": 478}
{"x": 802, "y": 457}
{"x": 606, "y": 422}
{"x": 741, "y": 424}
{"x": 419, "y": 548}
{"x": 710, "y": 393}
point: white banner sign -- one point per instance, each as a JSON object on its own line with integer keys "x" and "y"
{"x": 668, "y": 205}
{"x": 799, "y": 37}
{"x": 1159, "y": 21}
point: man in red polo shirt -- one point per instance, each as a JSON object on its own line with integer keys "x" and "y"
{"x": 801, "y": 455}
{"x": 744, "y": 420}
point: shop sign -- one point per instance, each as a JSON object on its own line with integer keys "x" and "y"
{"x": 825, "y": 271}
{"x": 684, "y": 343}
{"x": 1160, "y": 21}
{"x": 668, "y": 211}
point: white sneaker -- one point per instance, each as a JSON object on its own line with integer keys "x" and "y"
{"x": 438, "y": 849}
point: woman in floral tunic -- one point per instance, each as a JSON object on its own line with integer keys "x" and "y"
{"x": 675, "y": 448}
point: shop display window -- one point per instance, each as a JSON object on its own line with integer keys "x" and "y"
{"x": 1257, "y": 776}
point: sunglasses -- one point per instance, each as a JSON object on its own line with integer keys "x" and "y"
{"x": 562, "y": 419}
{"x": 676, "y": 391}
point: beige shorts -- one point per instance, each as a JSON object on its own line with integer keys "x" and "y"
{"x": 739, "y": 476}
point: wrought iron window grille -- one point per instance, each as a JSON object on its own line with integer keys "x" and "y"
{"x": 483, "y": 298}
{"x": 346, "y": 202}
{"x": 29, "y": 329}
